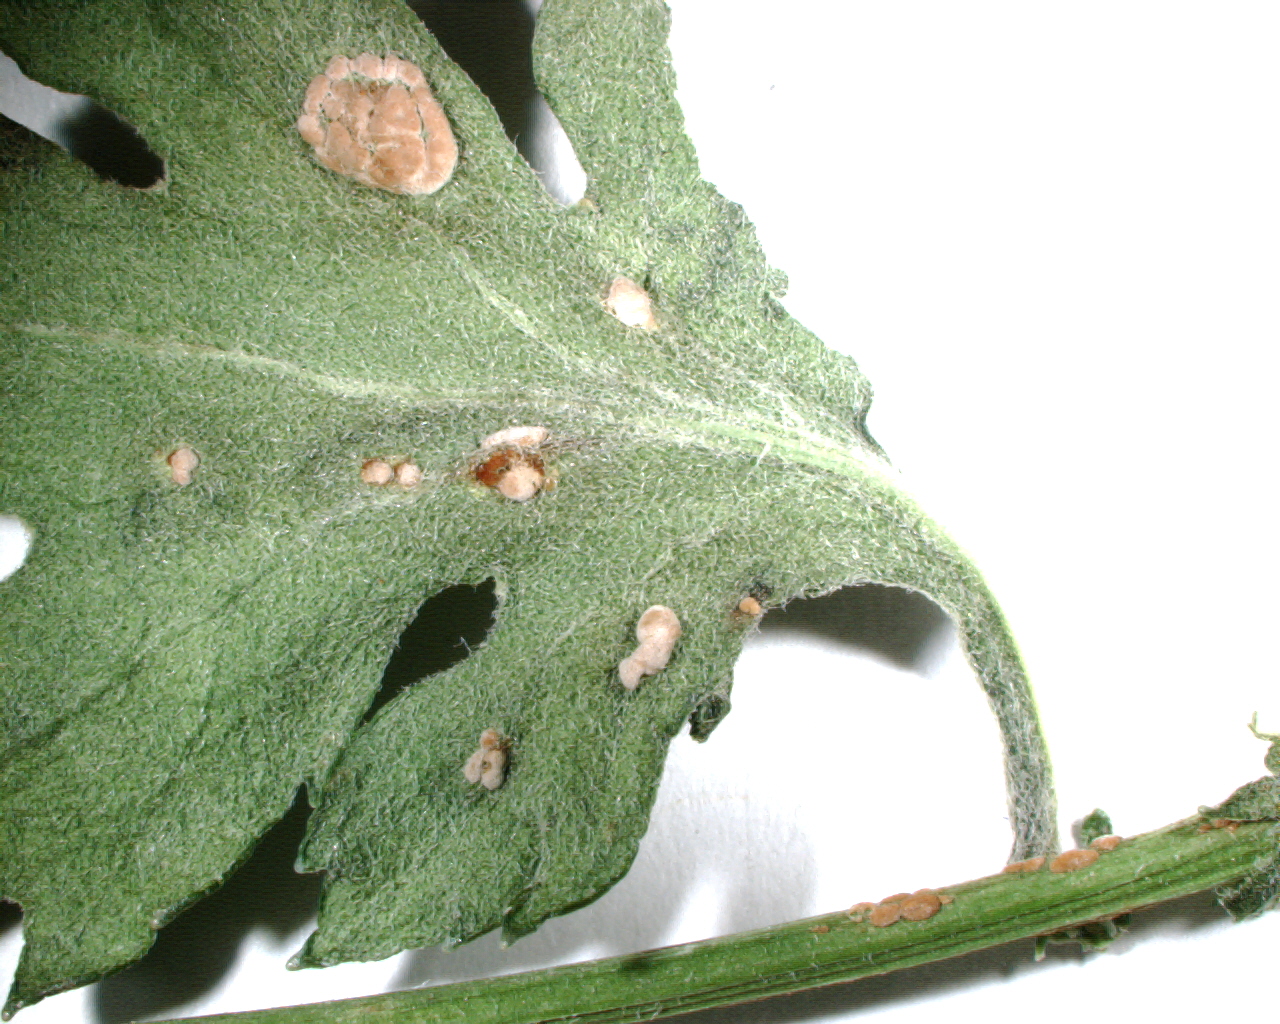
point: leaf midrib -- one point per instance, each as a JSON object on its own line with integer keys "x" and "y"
{"x": 735, "y": 431}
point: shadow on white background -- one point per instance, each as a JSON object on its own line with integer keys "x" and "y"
{"x": 1048, "y": 235}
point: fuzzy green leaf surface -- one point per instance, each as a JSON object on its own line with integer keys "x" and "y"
{"x": 1257, "y": 801}
{"x": 176, "y": 660}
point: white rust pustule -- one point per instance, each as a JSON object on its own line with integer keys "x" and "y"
{"x": 381, "y": 473}
{"x": 511, "y": 465}
{"x": 657, "y": 631}
{"x": 408, "y": 474}
{"x": 375, "y": 120}
{"x": 182, "y": 464}
{"x": 519, "y": 437}
{"x": 377, "y": 473}
{"x": 630, "y": 303}
{"x": 488, "y": 765}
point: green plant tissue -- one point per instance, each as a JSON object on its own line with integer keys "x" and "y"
{"x": 177, "y": 657}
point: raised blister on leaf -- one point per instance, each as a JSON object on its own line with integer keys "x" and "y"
{"x": 920, "y": 906}
{"x": 487, "y": 766}
{"x": 375, "y": 120}
{"x": 657, "y": 632}
{"x": 1022, "y": 867}
{"x": 182, "y": 464}
{"x": 377, "y": 472}
{"x": 631, "y": 304}
{"x": 408, "y": 474}
{"x": 518, "y": 437}
{"x": 516, "y": 473}
{"x": 1072, "y": 860}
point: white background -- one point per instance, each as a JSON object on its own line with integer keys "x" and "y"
{"x": 1048, "y": 233}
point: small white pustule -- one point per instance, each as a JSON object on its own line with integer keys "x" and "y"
{"x": 750, "y": 606}
{"x": 520, "y": 437}
{"x": 521, "y": 482}
{"x": 657, "y": 631}
{"x": 377, "y": 473}
{"x": 631, "y": 304}
{"x": 182, "y": 464}
{"x": 488, "y": 765}
{"x": 408, "y": 475}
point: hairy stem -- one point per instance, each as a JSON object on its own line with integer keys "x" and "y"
{"x": 1175, "y": 861}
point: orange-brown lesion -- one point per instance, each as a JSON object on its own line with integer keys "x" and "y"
{"x": 513, "y": 472}
{"x": 508, "y": 462}
{"x": 375, "y": 120}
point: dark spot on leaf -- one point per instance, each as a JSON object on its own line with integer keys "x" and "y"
{"x": 448, "y": 626}
{"x": 111, "y": 147}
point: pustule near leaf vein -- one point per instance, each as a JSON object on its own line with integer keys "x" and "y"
{"x": 753, "y": 433}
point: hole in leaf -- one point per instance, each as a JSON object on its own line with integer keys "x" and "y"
{"x": 448, "y": 625}
{"x": 10, "y": 916}
{"x": 15, "y": 542}
{"x": 87, "y": 130}
{"x": 891, "y": 624}
{"x": 904, "y": 627}
{"x": 111, "y": 147}
{"x": 492, "y": 42}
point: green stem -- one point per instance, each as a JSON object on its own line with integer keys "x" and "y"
{"x": 1172, "y": 862}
